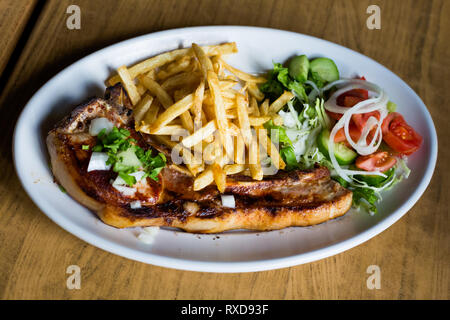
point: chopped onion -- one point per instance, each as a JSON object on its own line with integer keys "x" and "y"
{"x": 98, "y": 124}
{"x": 138, "y": 175}
{"x": 135, "y": 204}
{"x": 98, "y": 162}
{"x": 314, "y": 92}
{"x": 148, "y": 234}
{"x": 120, "y": 185}
{"x": 126, "y": 191}
{"x": 228, "y": 201}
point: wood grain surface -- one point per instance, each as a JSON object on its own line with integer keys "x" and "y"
{"x": 13, "y": 18}
{"x": 413, "y": 254}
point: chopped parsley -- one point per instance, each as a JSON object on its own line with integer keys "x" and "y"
{"x": 126, "y": 157}
{"x": 85, "y": 147}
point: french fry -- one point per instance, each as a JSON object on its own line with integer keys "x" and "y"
{"x": 243, "y": 75}
{"x": 219, "y": 111}
{"x": 229, "y": 93}
{"x": 166, "y": 100}
{"x": 164, "y": 58}
{"x": 220, "y": 177}
{"x": 155, "y": 89}
{"x": 205, "y": 62}
{"x": 200, "y": 134}
{"x": 254, "y": 91}
{"x": 244, "y": 123}
{"x": 275, "y": 156}
{"x": 227, "y": 84}
{"x": 254, "y": 107}
{"x": 186, "y": 155}
{"x": 277, "y": 119}
{"x": 129, "y": 85}
{"x": 264, "y": 108}
{"x": 204, "y": 179}
{"x": 278, "y": 104}
{"x": 180, "y": 65}
{"x": 141, "y": 109}
{"x": 152, "y": 113}
{"x": 141, "y": 89}
{"x": 172, "y": 112}
{"x": 198, "y": 102}
{"x": 231, "y": 169}
{"x": 169, "y": 130}
{"x": 181, "y": 80}
{"x": 254, "y": 162}
{"x": 258, "y": 121}
{"x": 270, "y": 148}
{"x": 239, "y": 153}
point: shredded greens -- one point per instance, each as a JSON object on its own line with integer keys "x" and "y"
{"x": 279, "y": 80}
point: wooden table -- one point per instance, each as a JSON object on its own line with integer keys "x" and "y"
{"x": 413, "y": 254}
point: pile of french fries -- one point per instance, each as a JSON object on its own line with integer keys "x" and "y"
{"x": 216, "y": 109}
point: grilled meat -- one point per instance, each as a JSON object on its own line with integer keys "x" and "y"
{"x": 295, "y": 198}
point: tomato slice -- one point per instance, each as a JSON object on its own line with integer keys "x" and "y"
{"x": 361, "y": 94}
{"x": 334, "y": 115}
{"x": 360, "y": 119}
{"x": 355, "y": 133}
{"x": 349, "y": 99}
{"x": 399, "y": 135}
{"x": 378, "y": 161}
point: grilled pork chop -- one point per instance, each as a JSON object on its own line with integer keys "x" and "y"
{"x": 295, "y": 198}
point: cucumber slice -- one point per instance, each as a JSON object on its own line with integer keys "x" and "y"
{"x": 298, "y": 68}
{"x": 375, "y": 181}
{"x": 324, "y": 70}
{"x": 343, "y": 154}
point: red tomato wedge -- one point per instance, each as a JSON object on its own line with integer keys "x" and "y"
{"x": 399, "y": 135}
{"x": 379, "y": 161}
{"x": 360, "y": 119}
{"x": 334, "y": 115}
{"x": 361, "y": 94}
{"x": 348, "y": 99}
{"x": 355, "y": 133}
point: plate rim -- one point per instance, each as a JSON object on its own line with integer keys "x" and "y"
{"x": 221, "y": 266}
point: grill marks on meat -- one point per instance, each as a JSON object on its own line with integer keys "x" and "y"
{"x": 295, "y": 198}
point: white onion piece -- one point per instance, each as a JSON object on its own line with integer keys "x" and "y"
{"x": 148, "y": 234}
{"x": 119, "y": 181}
{"x": 228, "y": 201}
{"x": 314, "y": 92}
{"x": 135, "y": 204}
{"x": 98, "y": 124}
{"x": 138, "y": 175}
{"x": 98, "y": 162}
{"x": 120, "y": 185}
{"x": 126, "y": 191}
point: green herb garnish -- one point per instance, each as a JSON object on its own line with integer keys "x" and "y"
{"x": 126, "y": 157}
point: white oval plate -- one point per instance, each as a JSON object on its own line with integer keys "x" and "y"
{"x": 228, "y": 252}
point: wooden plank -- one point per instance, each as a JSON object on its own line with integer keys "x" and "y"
{"x": 412, "y": 254}
{"x": 13, "y": 18}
